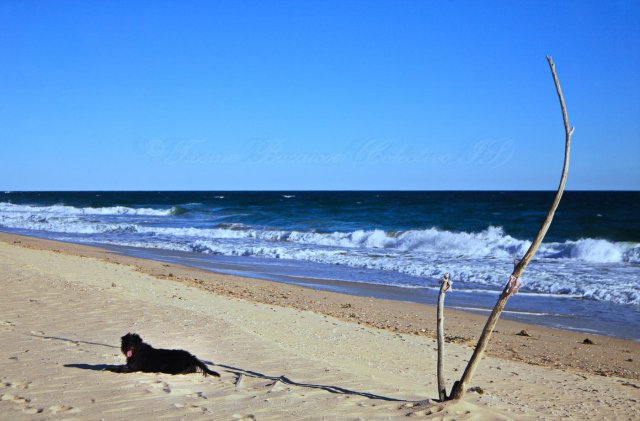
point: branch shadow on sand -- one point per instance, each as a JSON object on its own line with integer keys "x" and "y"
{"x": 73, "y": 341}
{"x": 239, "y": 372}
{"x": 286, "y": 380}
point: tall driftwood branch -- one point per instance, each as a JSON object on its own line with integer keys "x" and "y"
{"x": 445, "y": 285}
{"x": 512, "y": 285}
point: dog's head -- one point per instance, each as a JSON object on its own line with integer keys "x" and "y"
{"x": 130, "y": 343}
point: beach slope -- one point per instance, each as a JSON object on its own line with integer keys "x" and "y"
{"x": 62, "y": 316}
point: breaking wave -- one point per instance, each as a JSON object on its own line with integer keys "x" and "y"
{"x": 589, "y": 268}
{"x": 62, "y": 210}
{"x": 492, "y": 242}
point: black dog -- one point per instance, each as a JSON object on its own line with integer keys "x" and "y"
{"x": 144, "y": 357}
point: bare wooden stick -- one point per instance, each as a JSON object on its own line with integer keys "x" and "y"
{"x": 512, "y": 285}
{"x": 445, "y": 285}
{"x": 239, "y": 380}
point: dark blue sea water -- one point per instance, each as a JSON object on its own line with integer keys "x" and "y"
{"x": 586, "y": 275}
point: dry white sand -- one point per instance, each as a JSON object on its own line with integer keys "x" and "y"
{"x": 61, "y": 317}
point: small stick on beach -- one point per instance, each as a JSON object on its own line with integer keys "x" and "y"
{"x": 239, "y": 380}
{"x": 445, "y": 285}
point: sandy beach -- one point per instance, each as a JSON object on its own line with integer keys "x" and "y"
{"x": 285, "y": 352}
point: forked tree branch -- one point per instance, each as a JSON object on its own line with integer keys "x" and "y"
{"x": 512, "y": 285}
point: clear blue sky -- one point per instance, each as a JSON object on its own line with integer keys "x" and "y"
{"x": 155, "y": 95}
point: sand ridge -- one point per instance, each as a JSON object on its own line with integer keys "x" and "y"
{"x": 62, "y": 316}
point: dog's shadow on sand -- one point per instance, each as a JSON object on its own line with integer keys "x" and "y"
{"x": 96, "y": 367}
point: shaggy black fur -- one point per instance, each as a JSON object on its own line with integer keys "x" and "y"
{"x": 144, "y": 357}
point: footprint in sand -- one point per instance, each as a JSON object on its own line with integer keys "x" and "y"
{"x": 163, "y": 386}
{"x": 422, "y": 410}
{"x": 15, "y": 399}
{"x": 76, "y": 348}
{"x": 22, "y": 402}
{"x": 276, "y": 387}
{"x": 182, "y": 392}
{"x": 63, "y": 409}
{"x": 157, "y": 386}
{"x": 239, "y": 417}
{"x": 15, "y": 385}
{"x": 7, "y": 325}
{"x": 197, "y": 395}
{"x": 191, "y": 408}
{"x": 32, "y": 411}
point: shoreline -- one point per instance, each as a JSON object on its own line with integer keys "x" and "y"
{"x": 554, "y": 311}
{"x": 549, "y": 347}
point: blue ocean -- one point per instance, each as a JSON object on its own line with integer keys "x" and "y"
{"x": 586, "y": 275}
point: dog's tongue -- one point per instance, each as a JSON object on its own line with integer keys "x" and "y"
{"x": 129, "y": 353}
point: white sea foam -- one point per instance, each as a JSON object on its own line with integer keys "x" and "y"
{"x": 9, "y": 208}
{"x": 491, "y": 242}
{"x": 600, "y": 251}
{"x": 632, "y": 255}
{"x": 524, "y": 313}
{"x": 588, "y": 268}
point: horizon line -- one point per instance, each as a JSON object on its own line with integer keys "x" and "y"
{"x": 314, "y": 190}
